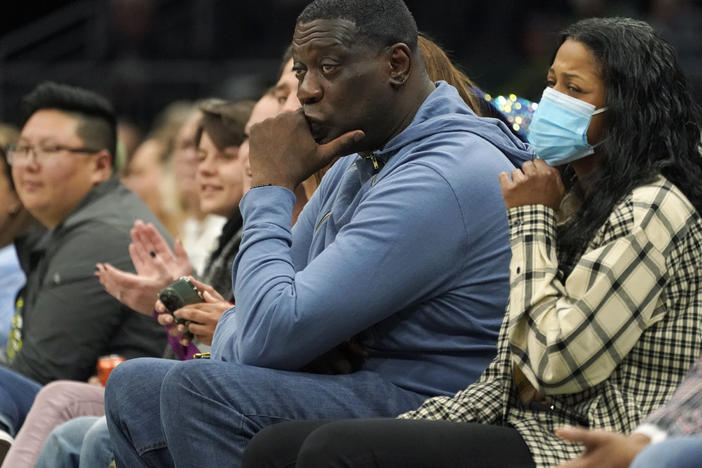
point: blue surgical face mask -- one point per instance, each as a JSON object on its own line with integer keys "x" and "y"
{"x": 558, "y": 130}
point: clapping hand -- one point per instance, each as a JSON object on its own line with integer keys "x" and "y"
{"x": 156, "y": 266}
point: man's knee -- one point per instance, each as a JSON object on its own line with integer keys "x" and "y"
{"x": 185, "y": 383}
{"x": 134, "y": 381}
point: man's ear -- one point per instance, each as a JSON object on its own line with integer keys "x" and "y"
{"x": 400, "y": 61}
{"x": 102, "y": 165}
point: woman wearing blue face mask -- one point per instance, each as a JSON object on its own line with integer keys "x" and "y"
{"x": 605, "y": 311}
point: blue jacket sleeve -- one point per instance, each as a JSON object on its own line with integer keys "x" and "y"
{"x": 303, "y": 230}
{"x": 405, "y": 243}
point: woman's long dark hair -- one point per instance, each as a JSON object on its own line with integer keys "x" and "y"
{"x": 652, "y": 122}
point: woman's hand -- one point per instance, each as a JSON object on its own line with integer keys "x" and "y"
{"x": 536, "y": 183}
{"x": 156, "y": 266}
{"x": 201, "y": 318}
{"x": 602, "y": 449}
{"x": 152, "y": 256}
{"x": 138, "y": 292}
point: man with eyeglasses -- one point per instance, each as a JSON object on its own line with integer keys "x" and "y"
{"x": 62, "y": 166}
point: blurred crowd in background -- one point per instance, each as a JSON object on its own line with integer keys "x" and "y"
{"x": 146, "y": 54}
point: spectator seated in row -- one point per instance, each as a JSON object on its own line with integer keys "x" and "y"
{"x": 62, "y": 167}
{"x": 15, "y": 221}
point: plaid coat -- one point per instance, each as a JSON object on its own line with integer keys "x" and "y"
{"x": 603, "y": 347}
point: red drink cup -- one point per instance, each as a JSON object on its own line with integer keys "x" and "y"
{"x": 105, "y": 365}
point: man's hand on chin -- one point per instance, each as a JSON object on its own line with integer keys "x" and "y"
{"x": 283, "y": 151}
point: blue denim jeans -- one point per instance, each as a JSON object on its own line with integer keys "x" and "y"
{"x": 16, "y": 397}
{"x": 675, "y": 452}
{"x": 203, "y": 413}
{"x": 78, "y": 443}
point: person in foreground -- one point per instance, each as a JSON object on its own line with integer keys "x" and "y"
{"x": 605, "y": 315}
{"x": 403, "y": 246}
{"x": 671, "y": 436}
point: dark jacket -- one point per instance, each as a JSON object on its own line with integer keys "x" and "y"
{"x": 65, "y": 320}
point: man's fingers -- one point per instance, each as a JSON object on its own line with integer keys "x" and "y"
{"x": 340, "y": 146}
{"x": 583, "y": 436}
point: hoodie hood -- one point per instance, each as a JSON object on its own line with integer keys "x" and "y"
{"x": 445, "y": 111}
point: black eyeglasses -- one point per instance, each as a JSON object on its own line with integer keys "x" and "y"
{"x": 18, "y": 154}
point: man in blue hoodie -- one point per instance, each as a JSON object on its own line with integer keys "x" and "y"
{"x": 403, "y": 246}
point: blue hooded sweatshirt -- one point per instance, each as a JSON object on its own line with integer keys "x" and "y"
{"x": 414, "y": 257}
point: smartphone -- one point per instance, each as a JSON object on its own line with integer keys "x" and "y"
{"x": 178, "y": 294}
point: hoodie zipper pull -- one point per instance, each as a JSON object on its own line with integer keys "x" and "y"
{"x": 370, "y": 156}
{"x": 376, "y": 166}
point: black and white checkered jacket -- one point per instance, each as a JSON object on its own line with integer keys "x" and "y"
{"x": 607, "y": 345}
